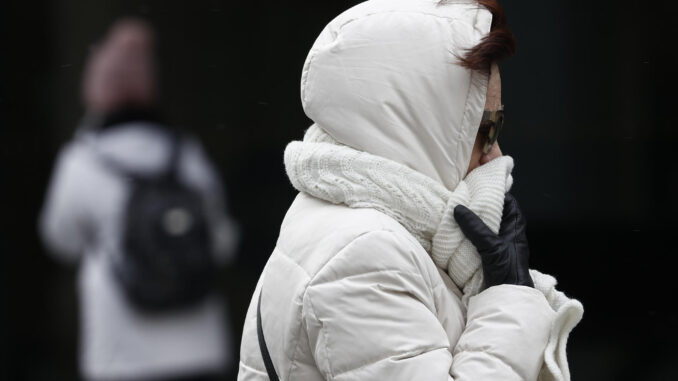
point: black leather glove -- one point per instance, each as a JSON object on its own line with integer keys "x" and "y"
{"x": 504, "y": 256}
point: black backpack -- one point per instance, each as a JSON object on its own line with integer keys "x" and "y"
{"x": 166, "y": 261}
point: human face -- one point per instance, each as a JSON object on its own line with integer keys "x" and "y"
{"x": 492, "y": 103}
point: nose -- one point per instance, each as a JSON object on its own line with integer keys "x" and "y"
{"x": 494, "y": 153}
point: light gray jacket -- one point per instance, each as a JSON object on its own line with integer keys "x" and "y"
{"x": 81, "y": 222}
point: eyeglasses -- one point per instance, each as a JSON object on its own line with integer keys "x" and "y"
{"x": 490, "y": 127}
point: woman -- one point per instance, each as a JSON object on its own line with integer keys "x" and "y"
{"x": 372, "y": 277}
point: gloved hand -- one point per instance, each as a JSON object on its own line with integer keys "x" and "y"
{"x": 505, "y": 255}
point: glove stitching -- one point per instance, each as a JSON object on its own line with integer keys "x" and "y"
{"x": 515, "y": 250}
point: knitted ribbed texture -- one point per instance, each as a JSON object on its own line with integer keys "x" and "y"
{"x": 328, "y": 170}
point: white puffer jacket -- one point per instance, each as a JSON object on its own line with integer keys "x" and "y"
{"x": 349, "y": 294}
{"x": 357, "y": 290}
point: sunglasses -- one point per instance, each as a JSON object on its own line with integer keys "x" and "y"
{"x": 490, "y": 127}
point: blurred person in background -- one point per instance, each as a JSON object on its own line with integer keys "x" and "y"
{"x": 141, "y": 208}
{"x": 403, "y": 257}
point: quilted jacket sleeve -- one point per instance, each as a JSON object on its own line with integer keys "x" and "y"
{"x": 201, "y": 173}
{"x": 370, "y": 314}
{"x": 507, "y": 329}
{"x": 63, "y": 224}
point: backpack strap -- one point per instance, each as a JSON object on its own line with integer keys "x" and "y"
{"x": 270, "y": 369}
{"x": 175, "y": 148}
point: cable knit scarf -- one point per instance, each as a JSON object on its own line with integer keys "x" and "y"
{"x": 326, "y": 169}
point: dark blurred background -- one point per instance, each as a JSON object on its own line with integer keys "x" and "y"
{"x": 591, "y": 121}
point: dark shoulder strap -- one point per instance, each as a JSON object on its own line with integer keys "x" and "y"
{"x": 270, "y": 369}
{"x": 175, "y": 149}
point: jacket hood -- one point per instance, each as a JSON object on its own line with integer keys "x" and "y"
{"x": 383, "y": 77}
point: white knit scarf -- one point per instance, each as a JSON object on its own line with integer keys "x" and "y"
{"x": 326, "y": 169}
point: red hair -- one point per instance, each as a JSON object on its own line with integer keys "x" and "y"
{"x": 497, "y": 45}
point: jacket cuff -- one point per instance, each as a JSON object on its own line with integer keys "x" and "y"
{"x": 568, "y": 313}
{"x": 511, "y": 323}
